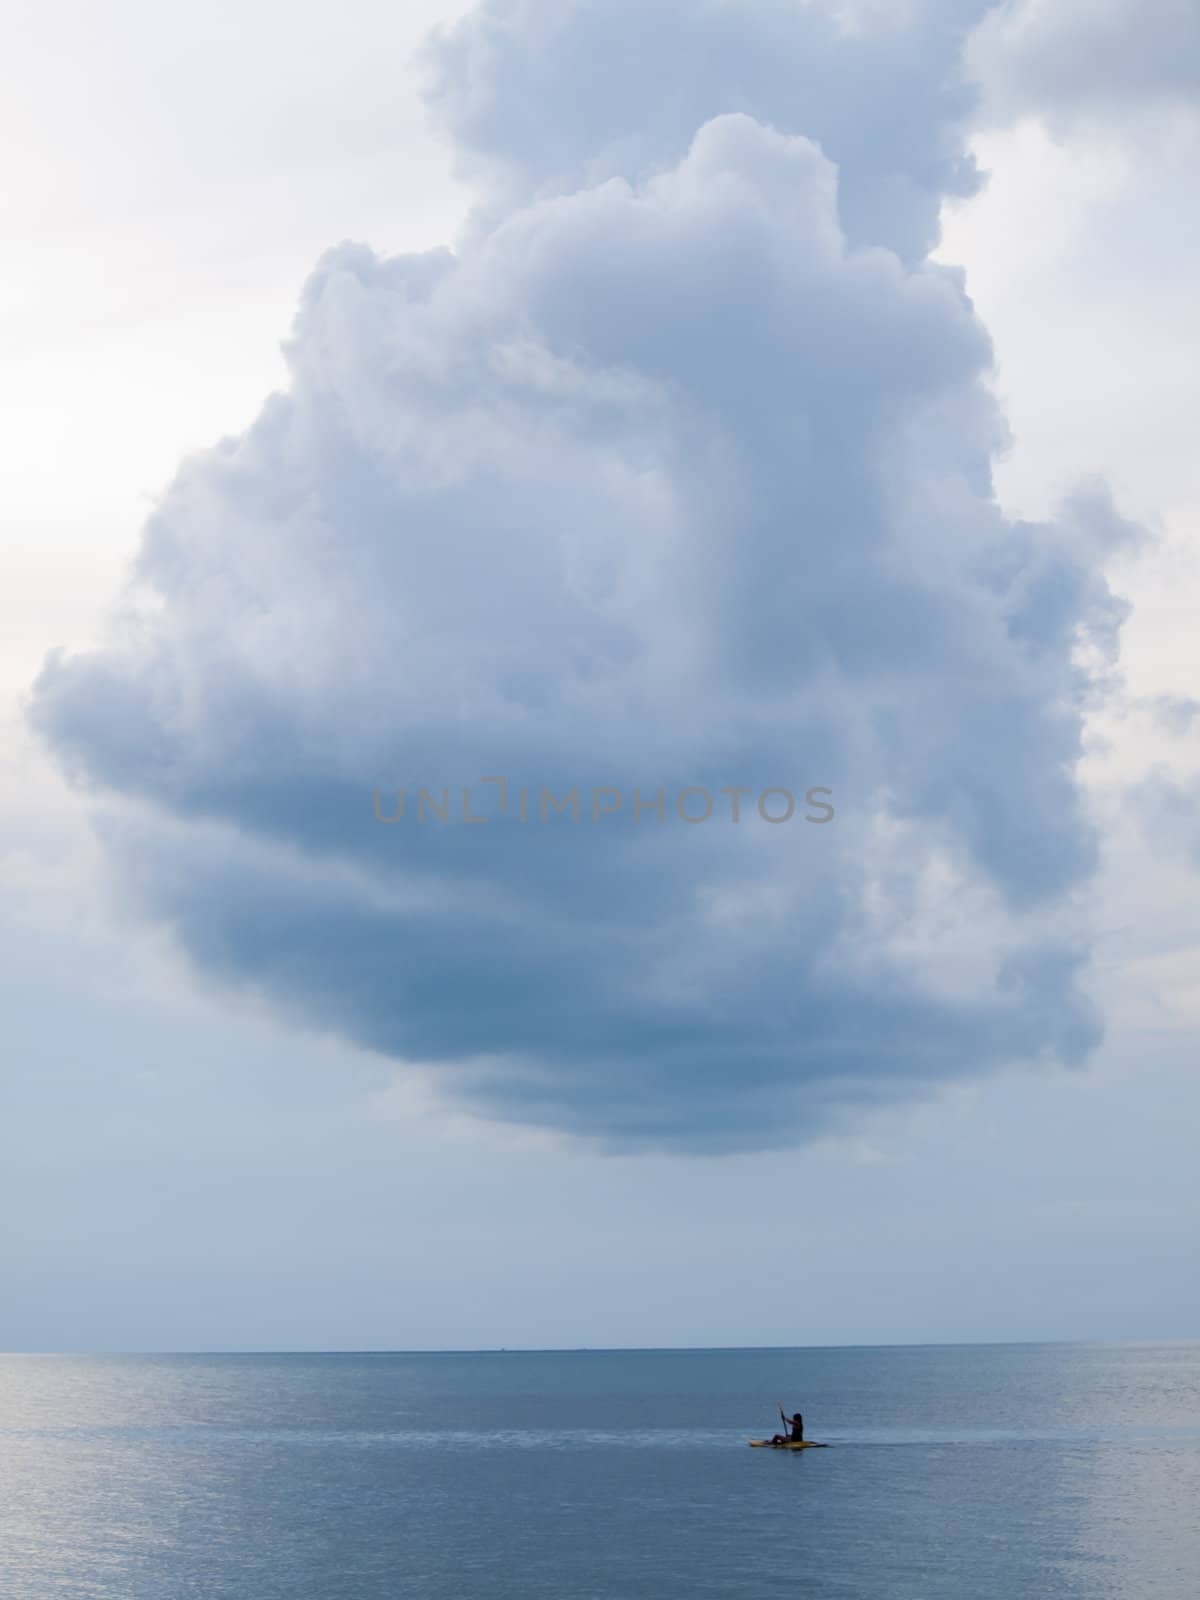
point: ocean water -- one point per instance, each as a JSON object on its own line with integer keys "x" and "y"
{"x": 1026, "y": 1472}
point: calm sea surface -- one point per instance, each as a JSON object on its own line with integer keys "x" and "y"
{"x": 1025, "y": 1472}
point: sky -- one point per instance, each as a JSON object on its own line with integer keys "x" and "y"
{"x": 758, "y": 396}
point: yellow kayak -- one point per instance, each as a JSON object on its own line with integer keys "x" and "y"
{"x": 799, "y": 1444}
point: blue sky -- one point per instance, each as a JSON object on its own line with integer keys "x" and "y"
{"x": 720, "y": 395}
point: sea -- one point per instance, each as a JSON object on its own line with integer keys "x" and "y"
{"x": 980, "y": 1472}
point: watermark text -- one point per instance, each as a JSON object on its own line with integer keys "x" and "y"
{"x": 638, "y": 807}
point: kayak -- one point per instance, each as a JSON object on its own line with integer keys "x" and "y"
{"x": 798, "y": 1444}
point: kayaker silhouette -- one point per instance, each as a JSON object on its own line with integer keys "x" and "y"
{"x": 795, "y": 1426}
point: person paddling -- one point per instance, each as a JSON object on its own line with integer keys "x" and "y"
{"x": 795, "y": 1426}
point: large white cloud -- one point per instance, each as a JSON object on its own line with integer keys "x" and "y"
{"x": 661, "y": 480}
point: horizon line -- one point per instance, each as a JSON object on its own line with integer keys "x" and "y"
{"x": 660, "y": 1349}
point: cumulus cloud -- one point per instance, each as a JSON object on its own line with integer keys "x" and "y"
{"x": 1070, "y": 58}
{"x": 542, "y": 96}
{"x": 676, "y": 473}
